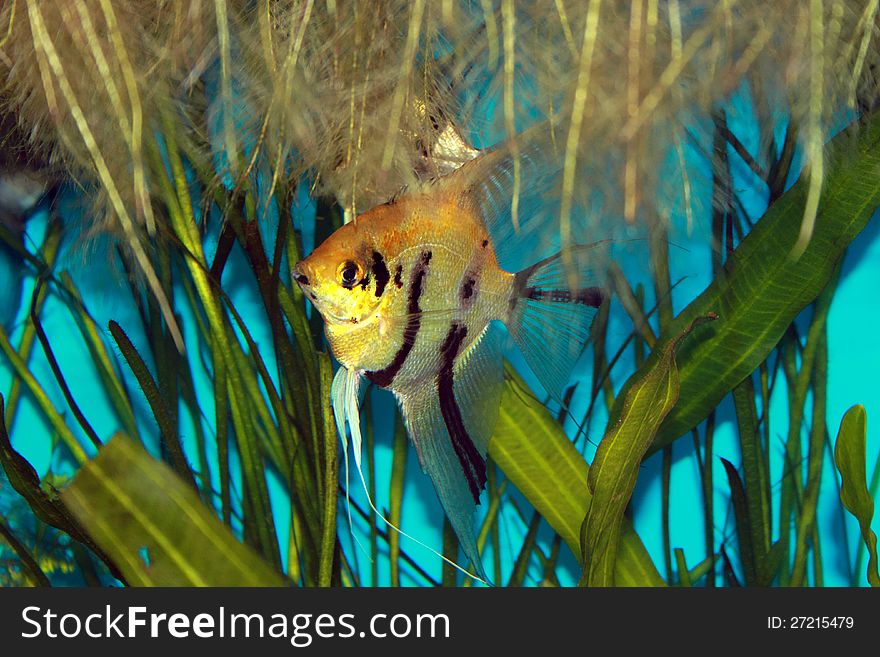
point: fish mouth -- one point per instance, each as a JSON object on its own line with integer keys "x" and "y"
{"x": 302, "y": 280}
{"x": 332, "y": 318}
{"x": 300, "y": 276}
{"x": 327, "y": 311}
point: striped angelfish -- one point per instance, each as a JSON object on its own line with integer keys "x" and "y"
{"x": 409, "y": 293}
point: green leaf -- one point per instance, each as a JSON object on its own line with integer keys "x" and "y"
{"x": 539, "y": 459}
{"x": 42, "y": 499}
{"x": 754, "y": 479}
{"x": 154, "y": 398}
{"x": 26, "y": 482}
{"x": 21, "y": 369}
{"x": 111, "y": 381}
{"x": 154, "y": 526}
{"x": 702, "y": 569}
{"x": 684, "y": 575}
{"x": 331, "y": 482}
{"x": 395, "y": 496}
{"x": 849, "y": 456}
{"x": 616, "y": 465}
{"x": 521, "y": 565}
{"x": 763, "y": 287}
{"x": 743, "y": 523}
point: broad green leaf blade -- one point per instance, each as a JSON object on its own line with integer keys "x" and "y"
{"x": 616, "y": 465}
{"x": 849, "y": 456}
{"x": 763, "y": 288}
{"x": 539, "y": 459}
{"x": 154, "y": 526}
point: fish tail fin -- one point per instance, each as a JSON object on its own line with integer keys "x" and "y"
{"x": 551, "y": 309}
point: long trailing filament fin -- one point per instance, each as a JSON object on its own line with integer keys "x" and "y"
{"x": 344, "y": 399}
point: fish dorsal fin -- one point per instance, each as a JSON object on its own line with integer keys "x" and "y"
{"x": 513, "y": 188}
{"x": 450, "y": 424}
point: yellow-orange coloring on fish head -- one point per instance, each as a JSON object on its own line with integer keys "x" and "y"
{"x": 340, "y": 279}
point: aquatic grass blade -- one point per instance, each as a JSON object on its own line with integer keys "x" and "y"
{"x": 29, "y": 565}
{"x": 684, "y": 575}
{"x": 156, "y": 401}
{"x": 111, "y": 380}
{"x": 395, "y": 496}
{"x": 849, "y": 456}
{"x": 754, "y": 475}
{"x": 331, "y": 479}
{"x": 49, "y": 253}
{"x": 60, "y": 379}
{"x": 521, "y": 565}
{"x": 56, "y": 420}
{"x": 744, "y": 536}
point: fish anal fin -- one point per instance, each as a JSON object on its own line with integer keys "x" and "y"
{"x": 450, "y": 427}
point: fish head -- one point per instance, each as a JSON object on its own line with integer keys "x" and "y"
{"x": 338, "y": 277}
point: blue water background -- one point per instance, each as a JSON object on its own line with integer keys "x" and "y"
{"x": 854, "y": 360}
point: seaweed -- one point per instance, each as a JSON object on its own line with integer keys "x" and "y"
{"x": 218, "y": 381}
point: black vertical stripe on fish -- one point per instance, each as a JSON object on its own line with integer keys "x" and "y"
{"x": 467, "y": 289}
{"x": 398, "y": 276}
{"x": 380, "y": 273}
{"x": 472, "y": 464}
{"x": 385, "y": 376}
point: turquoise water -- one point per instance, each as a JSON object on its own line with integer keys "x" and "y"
{"x": 854, "y": 359}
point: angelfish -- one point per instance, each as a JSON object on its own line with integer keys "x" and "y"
{"x": 411, "y": 293}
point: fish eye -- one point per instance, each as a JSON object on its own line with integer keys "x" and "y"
{"x": 349, "y": 273}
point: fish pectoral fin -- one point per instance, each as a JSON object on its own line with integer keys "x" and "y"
{"x": 450, "y": 423}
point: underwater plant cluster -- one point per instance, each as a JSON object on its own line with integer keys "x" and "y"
{"x": 680, "y": 403}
